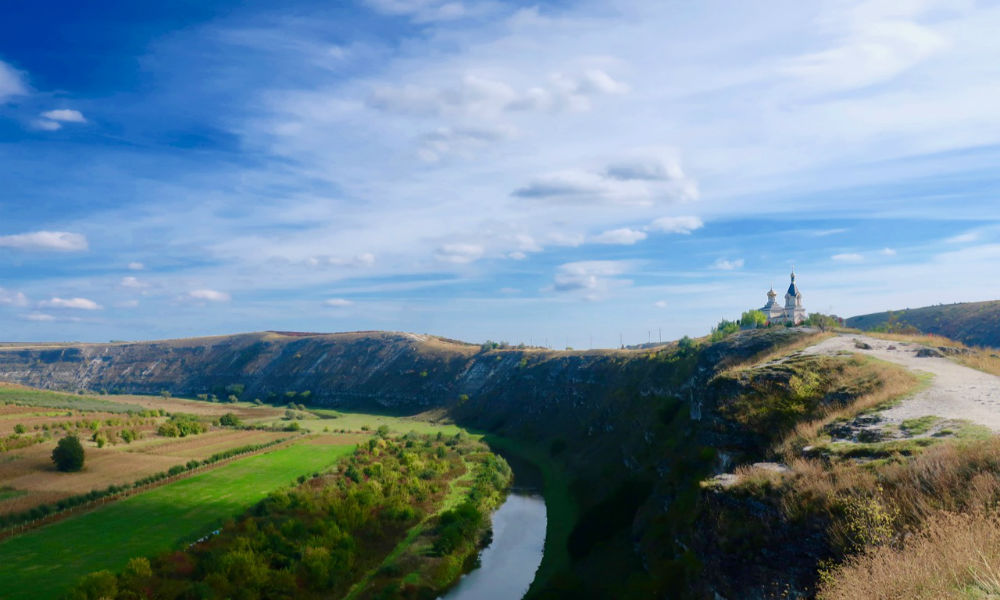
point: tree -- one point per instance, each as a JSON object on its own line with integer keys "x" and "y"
{"x": 752, "y": 319}
{"x": 19, "y": 428}
{"x": 229, "y": 420}
{"x": 68, "y": 454}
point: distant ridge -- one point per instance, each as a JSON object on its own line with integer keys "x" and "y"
{"x": 972, "y": 323}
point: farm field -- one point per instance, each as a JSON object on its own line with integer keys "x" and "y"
{"x": 44, "y": 562}
{"x": 336, "y": 420}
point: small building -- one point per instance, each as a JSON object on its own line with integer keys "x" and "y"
{"x": 792, "y": 312}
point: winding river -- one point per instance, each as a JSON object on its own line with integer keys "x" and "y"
{"x": 508, "y": 564}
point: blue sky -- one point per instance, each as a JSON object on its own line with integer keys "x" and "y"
{"x": 559, "y": 172}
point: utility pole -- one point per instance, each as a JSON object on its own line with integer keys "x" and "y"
{"x": 621, "y": 341}
{"x": 660, "y": 335}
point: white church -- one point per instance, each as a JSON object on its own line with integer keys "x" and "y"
{"x": 792, "y": 312}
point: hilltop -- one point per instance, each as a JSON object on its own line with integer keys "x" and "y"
{"x": 972, "y": 323}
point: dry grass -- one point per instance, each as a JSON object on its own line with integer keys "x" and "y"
{"x": 893, "y": 383}
{"x": 955, "y": 557}
{"x": 925, "y": 339}
{"x": 954, "y": 477}
{"x": 981, "y": 359}
{"x": 780, "y": 351}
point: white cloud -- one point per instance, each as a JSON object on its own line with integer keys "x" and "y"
{"x": 136, "y": 266}
{"x": 964, "y": 238}
{"x": 337, "y": 302}
{"x": 459, "y": 253}
{"x": 75, "y": 303}
{"x": 591, "y": 277}
{"x": 624, "y": 236}
{"x": 11, "y": 298}
{"x": 724, "y": 264}
{"x": 64, "y": 115}
{"x": 888, "y": 251}
{"x": 638, "y": 182}
{"x": 485, "y": 97}
{"x": 46, "y": 125}
{"x": 127, "y": 304}
{"x": 209, "y": 295}
{"x": 660, "y": 304}
{"x": 37, "y": 316}
{"x": 133, "y": 283}
{"x": 463, "y": 142}
{"x": 365, "y": 259}
{"x": 59, "y": 241}
{"x": 11, "y": 82}
{"x": 848, "y": 257}
{"x": 683, "y": 225}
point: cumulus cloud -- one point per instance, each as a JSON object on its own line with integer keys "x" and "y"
{"x": 684, "y": 225}
{"x": 337, "y": 302}
{"x": 483, "y": 97}
{"x": 459, "y": 253}
{"x": 56, "y": 241}
{"x": 12, "y": 298}
{"x": 888, "y": 251}
{"x": 53, "y": 119}
{"x": 136, "y": 266}
{"x": 641, "y": 181}
{"x": 591, "y": 277}
{"x": 624, "y": 236}
{"x": 65, "y": 115}
{"x": 724, "y": 264}
{"x": 848, "y": 257}
{"x": 74, "y": 303}
{"x": 11, "y": 82}
{"x": 209, "y": 295}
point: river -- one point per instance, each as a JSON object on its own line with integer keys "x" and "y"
{"x": 508, "y": 564}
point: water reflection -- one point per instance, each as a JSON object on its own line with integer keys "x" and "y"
{"x": 509, "y": 563}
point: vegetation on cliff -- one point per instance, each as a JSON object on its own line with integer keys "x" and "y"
{"x": 973, "y": 323}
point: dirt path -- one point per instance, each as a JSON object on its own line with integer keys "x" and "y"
{"x": 956, "y": 391}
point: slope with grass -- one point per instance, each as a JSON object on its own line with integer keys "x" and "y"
{"x": 45, "y": 562}
{"x": 973, "y": 323}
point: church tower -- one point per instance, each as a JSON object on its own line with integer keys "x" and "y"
{"x": 794, "y": 312}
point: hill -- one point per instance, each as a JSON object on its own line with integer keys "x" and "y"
{"x": 972, "y": 323}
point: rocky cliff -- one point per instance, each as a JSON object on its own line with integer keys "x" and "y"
{"x": 635, "y": 430}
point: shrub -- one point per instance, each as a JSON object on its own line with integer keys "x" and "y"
{"x": 68, "y": 454}
{"x": 19, "y": 428}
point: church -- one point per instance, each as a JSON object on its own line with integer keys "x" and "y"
{"x": 792, "y": 312}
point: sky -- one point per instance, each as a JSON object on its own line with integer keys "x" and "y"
{"x": 553, "y": 173}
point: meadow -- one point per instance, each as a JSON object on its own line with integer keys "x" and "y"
{"x": 43, "y": 563}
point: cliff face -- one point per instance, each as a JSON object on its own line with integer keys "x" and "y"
{"x": 635, "y": 430}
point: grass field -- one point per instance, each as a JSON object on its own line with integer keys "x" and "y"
{"x": 335, "y": 420}
{"x": 25, "y": 396}
{"x": 43, "y": 563}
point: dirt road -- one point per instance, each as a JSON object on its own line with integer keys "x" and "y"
{"x": 956, "y": 391}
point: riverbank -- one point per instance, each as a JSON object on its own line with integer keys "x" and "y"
{"x": 562, "y": 511}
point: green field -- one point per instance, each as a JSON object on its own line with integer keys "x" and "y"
{"x": 47, "y": 399}
{"x": 335, "y": 420}
{"x": 45, "y": 562}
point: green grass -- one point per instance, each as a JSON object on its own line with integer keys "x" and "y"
{"x": 919, "y": 426}
{"x": 7, "y": 492}
{"x": 47, "y": 399}
{"x": 336, "y": 420}
{"x": 45, "y": 562}
{"x": 560, "y": 508}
